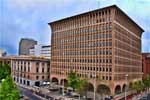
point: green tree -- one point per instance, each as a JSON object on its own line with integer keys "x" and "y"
{"x": 83, "y": 85}
{"x": 73, "y": 80}
{"x": 79, "y": 85}
{"x": 146, "y": 82}
{"x": 8, "y": 89}
{"x": 138, "y": 86}
{"x": 4, "y": 70}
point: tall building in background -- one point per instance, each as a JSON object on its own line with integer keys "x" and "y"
{"x": 25, "y": 44}
{"x": 103, "y": 45}
{"x": 41, "y": 51}
{"x": 146, "y": 64}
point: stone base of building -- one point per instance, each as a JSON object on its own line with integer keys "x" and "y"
{"x": 27, "y": 82}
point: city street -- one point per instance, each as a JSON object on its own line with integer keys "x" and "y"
{"x": 34, "y": 95}
{"x": 29, "y": 94}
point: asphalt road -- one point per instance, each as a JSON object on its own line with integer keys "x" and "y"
{"x": 29, "y": 94}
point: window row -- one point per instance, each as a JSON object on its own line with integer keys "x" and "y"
{"x": 42, "y": 64}
{"x": 21, "y": 62}
{"x": 22, "y": 68}
{"x": 83, "y": 52}
{"x": 21, "y": 75}
{"x": 83, "y": 31}
{"x": 101, "y": 36}
{"x": 43, "y": 77}
{"x": 43, "y": 70}
{"x": 86, "y": 19}
{"x": 85, "y": 45}
{"x": 94, "y": 60}
{"x": 98, "y": 68}
{"x": 127, "y": 62}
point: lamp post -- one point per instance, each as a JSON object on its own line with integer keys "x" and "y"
{"x": 94, "y": 76}
{"x": 79, "y": 96}
{"x": 126, "y": 78}
{"x": 63, "y": 83}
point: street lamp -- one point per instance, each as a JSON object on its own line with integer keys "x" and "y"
{"x": 126, "y": 78}
{"x": 79, "y": 96}
{"x": 94, "y": 76}
{"x": 63, "y": 83}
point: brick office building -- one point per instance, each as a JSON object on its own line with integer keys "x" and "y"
{"x": 146, "y": 64}
{"x": 104, "y": 42}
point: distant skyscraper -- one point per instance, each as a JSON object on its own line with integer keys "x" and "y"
{"x": 41, "y": 51}
{"x": 25, "y": 44}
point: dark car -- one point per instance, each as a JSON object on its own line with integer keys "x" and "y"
{"x": 21, "y": 94}
{"x": 107, "y": 99}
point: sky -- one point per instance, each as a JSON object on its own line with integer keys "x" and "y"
{"x": 30, "y": 18}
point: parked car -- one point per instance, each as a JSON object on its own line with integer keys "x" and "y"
{"x": 21, "y": 95}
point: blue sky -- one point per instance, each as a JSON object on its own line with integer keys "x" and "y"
{"x": 29, "y": 18}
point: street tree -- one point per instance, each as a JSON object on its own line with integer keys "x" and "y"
{"x": 73, "y": 80}
{"x": 8, "y": 89}
{"x": 146, "y": 82}
{"x": 4, "y": 70}
{"x": 138, "y": 86}
{"x": 83, "y": 86}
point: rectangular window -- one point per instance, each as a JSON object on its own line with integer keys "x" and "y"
{"x": 24, "y": 68}
{"x": 37, "y": 63}
{"x": 43, "y": 70}
{"x": 37, "y": 77}
{"x": 48, "y": 77}
{"x": 109, "y": 69}
{"x": 42, "y": 77}
{"x": 110, "y": 43}
{"x": 48, "y": 69}
{"x": 29, "y": 69}
{"x": 37, "y": 69}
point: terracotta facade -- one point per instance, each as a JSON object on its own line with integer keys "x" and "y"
{"x": 104, "y": 42}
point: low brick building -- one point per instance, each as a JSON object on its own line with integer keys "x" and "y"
{"x": 5, "y": 60}
{"x": 146, "y": 64}
{"x": 29, "y": 70}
